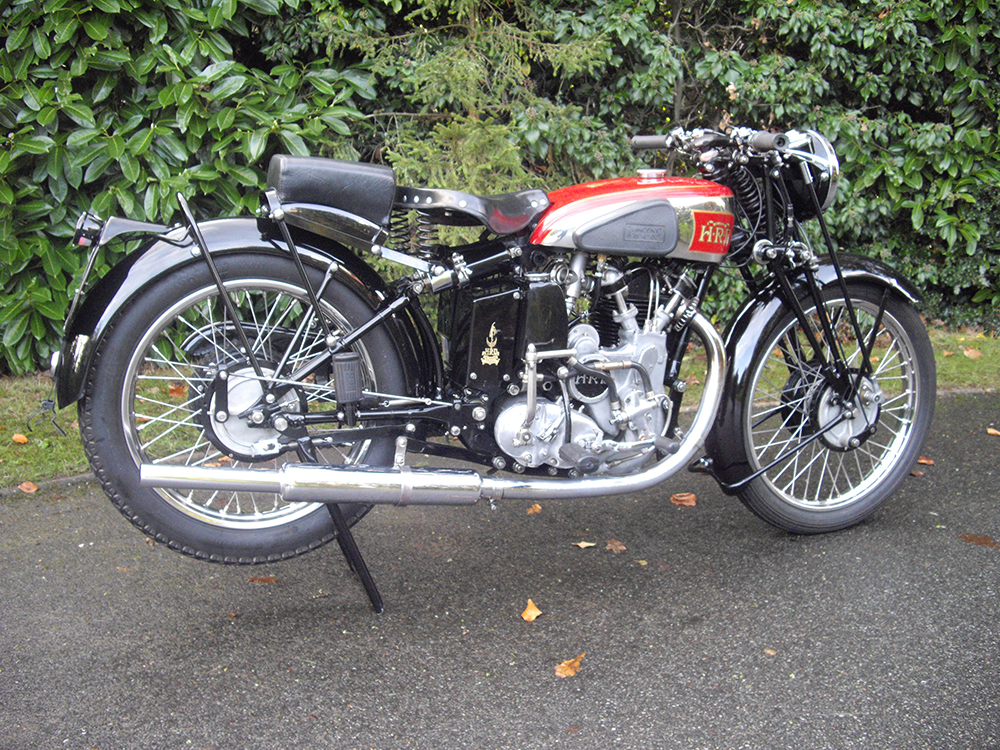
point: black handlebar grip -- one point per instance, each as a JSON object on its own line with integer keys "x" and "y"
{"x": 649, "y": 142}
{"x": 764, "y": 141}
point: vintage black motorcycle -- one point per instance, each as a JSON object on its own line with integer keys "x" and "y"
{"x": 249, "y": 387}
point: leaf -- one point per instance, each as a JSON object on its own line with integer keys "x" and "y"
{"x": 770, "y": 652}
{"x": 948, "y": 354}
{"x": 992, "y": 431}
{"x": 925, "y": 461}
{"x": 19, "y": 438}
{"x": 615, "y": 546}
{"x": 177, "y": 390}
{"x": 534, "y": 509}
{"x": 584, "y": 545}
{"x": 979, "y": 540}
{"x": 262, "y": 579}
{"x": 687, "y": 499}
{"x": 971, "y": 352}
{"x": 569, "y": 667}
{"x": 531, "y": 612}
{"x": 28, "y": 487}
{"x": 916, "y": 473}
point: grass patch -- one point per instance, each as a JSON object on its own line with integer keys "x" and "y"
{"x": 46, "y": 454}
{"x": 966, "y": 359}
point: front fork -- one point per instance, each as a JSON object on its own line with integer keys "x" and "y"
{"x": 832, "y": 360}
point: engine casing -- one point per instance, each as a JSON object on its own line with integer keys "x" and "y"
{"x": 604, "y": 436}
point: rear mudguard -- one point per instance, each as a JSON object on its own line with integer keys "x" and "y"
{"x": 744, "y": 335}
{"x": 89, "y": 320}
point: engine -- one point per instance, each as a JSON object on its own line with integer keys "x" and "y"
{"x": 590, "y": 408}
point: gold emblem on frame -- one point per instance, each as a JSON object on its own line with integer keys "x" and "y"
{"x": 491, "y": 355}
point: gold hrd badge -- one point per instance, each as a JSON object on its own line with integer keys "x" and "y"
{"x": 491, "y": 355}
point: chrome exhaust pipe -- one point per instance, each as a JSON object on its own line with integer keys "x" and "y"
{"x": 403, "y": 485}
{"x": 319, "y": 483}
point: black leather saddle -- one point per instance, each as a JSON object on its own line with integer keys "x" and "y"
{"x": 366, "y": 190}
{"x": 369, "y": 191}
{"x": 501, "y": 214}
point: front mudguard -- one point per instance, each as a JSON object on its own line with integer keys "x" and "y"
{"x": 744, "y": 334}
{"x": 90, "y": 318}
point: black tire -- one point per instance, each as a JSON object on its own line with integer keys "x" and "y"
{"x": 145, "y": 401}
{"x": 846, "y": 474}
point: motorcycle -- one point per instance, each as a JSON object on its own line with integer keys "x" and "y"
{"x": 248, "y": 388}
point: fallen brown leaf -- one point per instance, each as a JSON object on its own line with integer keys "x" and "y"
{"x": 262, "y": 579}
{"x": 19, "y": 438}
{"x": 584, "y": 545}
{"x": 569, "y": 667}
{"x": 979, "y": 539}
{"x": 536, "y": 508}
{"x": 948, "y": 354}
{"x": 615, "y": 546}
{"x": 916, "y": 473}
{"x": 28, "y": 487}
{"x": 770, "y": 652}
{"x": 177, "y": 390}
{"x": 993, "y": 432}
{"x": 925, "y": 461}
{"x": 971, "y": 352}
{"x": 688, "y": 499}
{"x": 531, "y": 612}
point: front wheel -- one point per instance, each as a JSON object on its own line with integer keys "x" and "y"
{"x": 836, "y": 459}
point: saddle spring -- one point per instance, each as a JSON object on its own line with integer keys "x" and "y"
{"x": 414, "y": 232}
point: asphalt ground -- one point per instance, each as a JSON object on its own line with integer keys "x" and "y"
{"x": 711, "y": 630}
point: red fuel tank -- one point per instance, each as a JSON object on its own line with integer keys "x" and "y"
{"x": 646, "y": 216}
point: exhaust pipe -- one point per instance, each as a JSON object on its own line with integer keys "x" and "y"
{"x": 312, "y": 483}
{"x": 403, "y": 485}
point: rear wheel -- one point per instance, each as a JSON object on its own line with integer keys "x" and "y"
{"x": 836, "y": 460}
{"x": 154, "y": 395}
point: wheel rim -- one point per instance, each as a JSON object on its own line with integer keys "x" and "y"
{"x": 163, "y": 400}
{"x": 790, "y": 403}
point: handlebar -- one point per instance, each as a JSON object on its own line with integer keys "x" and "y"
{"x": 650, "y": 142}
{"x": 764, "y": 141}
{"x": 758, "y": 140}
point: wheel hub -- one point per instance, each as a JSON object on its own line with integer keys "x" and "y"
{"x": 253, "y": 436}
{"x": 860, "y": 416}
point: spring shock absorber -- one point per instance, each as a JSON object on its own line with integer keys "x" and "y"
{"x": 427, "y": 235}
{"x": 419, "y": 238}
{"x": 749, "y": 199}
{"x": 400, "y": 237}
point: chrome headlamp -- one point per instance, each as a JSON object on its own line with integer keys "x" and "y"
{"x": 814, "y": 150}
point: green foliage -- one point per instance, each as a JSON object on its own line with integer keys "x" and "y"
{"x": 117, "y": 106}
{"x": 908, "y": 91}
{"x": 459, "y": 77}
